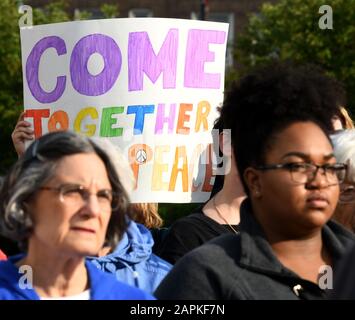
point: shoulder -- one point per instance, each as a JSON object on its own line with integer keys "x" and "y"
{"x": 341, "y": 232}
{"x": 7, "y": 282}
{"x": 194, "y": 222}
{"x": 191, "y": 219}
{"x": 6, "y": 294}
{"x": 222, "y": 247}
{"x": 122, "y": 291}
{"x": 158, "y": 264}
{"x": 338, "y": 237}
{"x": 10, "y": 282}
{"x": 215, "y": 254}
{"x": 8, "y": 272}
{"x": 105, "y": 286}
{"x": 207, "y": 272}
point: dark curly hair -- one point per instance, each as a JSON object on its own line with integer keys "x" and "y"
{"x": 269, "y": 99}
{"x": 36, "y": 167}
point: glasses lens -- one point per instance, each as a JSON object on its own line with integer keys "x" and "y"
{"x": 71, "y": 194}
{"x": 300, "y": 172}
{"x": 335, "y": 173}
{"x": 305, "y": 172}
{"x": 105, "y": 198}
{"x": 77, "y": 195}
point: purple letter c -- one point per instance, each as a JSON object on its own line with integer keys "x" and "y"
{"x": 32, "y": 69}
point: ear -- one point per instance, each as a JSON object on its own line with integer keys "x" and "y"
{"x": 252, "y": 179}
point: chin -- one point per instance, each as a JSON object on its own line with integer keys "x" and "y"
{"x": 85, "y": 249}
{"x": 318, "y": 218}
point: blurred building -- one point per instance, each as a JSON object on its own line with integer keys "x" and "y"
{"x": 235, "y": 12}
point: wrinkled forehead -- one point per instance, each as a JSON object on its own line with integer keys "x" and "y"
{"x": 82, "y": 168}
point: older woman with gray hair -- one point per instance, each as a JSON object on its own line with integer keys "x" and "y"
{"x": 344, "y": 150}
{"x": 61, "y": 201}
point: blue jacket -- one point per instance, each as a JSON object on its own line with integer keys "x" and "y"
{"x": 103, "y": 286}
{"x": 133, "y": 261}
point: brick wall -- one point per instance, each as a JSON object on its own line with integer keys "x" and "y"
{"x": 172, "y": 8}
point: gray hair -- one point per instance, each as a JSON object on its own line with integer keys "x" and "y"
{"x": 36, "y": 167}
{"x": 344, "y": 150}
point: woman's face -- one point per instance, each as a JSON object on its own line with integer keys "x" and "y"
{"x": 289, "y": 206}
{"x": 345, "y": 210}
{"x": 64, "y": 221}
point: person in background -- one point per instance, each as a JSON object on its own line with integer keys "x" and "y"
{"x": 344, "y": 150}
{"x": 342, "y": 120}
{"x": 2, "y": 256}
{"x": 61, "y": 200}
{"x": 343, "y": 286}
{"x": 218, "y": 216}
{"x": 147, "y": 214}
{"x": 22, "y": 133}
{"x": 291, "y": 178}
{"x": 132, "y": 261}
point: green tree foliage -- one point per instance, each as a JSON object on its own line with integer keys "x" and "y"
{"x": 11, "y": 90}
{"x": 110, "y": 10}
{"x": 51, "y": 13}
{"x": 290, "y": 30}
{"x": 173, "y": 211}
{"x": 10, "y": 79}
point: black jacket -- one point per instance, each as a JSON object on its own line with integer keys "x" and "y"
{"x": 244, "y": 267}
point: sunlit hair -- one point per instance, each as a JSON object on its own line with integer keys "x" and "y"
{"x": 345, "y": 119}
{"x": 147, "y": 214}
{"x": 344, "y": 150}
{"x": 36, "y": 168}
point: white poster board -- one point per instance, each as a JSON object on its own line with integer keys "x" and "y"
{"x": 150, "y": 85}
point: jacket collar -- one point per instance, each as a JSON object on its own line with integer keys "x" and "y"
{"x": 257, "y": 254}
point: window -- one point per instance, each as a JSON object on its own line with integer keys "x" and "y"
{"x": 95, "y": 13}
{"x": 140, "y": 13}
{"x": 228, "y": 18}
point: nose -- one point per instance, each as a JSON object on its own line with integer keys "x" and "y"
{"x": 319, "y": 179}
{"x": 92, "y": 205}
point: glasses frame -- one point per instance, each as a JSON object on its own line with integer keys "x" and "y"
{"x": 288, "y": 167}
{"x": 60, "y": 189}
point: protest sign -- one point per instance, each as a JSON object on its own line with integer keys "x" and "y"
{"x": 149, "y": 85}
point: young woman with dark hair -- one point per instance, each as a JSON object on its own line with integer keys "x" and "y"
{"x": 291, "y": 178}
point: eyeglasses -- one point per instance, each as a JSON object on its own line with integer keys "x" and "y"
{"x": 347, "y": 193}
{"x": 77, "y": 195}
{"x": 303, "y": 172}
